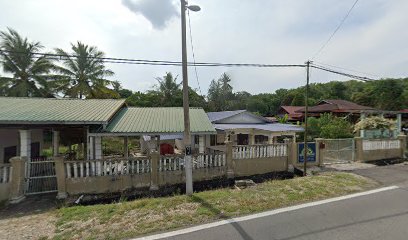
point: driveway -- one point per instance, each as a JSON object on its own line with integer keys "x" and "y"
{"x": 387, "y": 175}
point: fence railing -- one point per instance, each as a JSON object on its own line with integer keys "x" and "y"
{"x": 104, "y": 167}
{"x": 259, "y": 151}
{"x": 369, "y": 145}
{"x": 176, "y": 162}
{"x": 5, "y": 174}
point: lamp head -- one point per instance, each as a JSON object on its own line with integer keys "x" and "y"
{"x": 194, "y": 8}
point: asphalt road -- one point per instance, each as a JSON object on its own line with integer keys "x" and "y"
{"x": 382, "y": 215}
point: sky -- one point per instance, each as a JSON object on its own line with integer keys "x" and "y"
{"x": 373, "y": 39}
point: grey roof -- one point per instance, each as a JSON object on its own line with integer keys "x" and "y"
{"x": 216, "y": 116}
{"x": 272, "y": 127}
{"x": 14, "y": 110}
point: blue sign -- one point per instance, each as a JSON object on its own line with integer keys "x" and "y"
{"x": 311, "y": 152}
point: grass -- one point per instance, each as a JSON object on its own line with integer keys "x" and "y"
{"x": 129, "y": 219}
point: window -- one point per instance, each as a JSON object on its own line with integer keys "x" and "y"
{"x": 196, "y": 139}
{"x": 9, "y": 152}
{"x": 261, "y": 139}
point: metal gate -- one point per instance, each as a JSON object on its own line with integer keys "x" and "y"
{"x": 338, "y": 151}
{"x": 41, "y": 177}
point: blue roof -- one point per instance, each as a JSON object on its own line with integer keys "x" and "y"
{"x": 272, "y": 127}
{"x": 216, "y": 116}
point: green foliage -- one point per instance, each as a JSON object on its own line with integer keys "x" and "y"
{"x": 328, "y": 126}
{"x": 375, "y": 122}
{"x": 283, "y": 119}
{"x": 30, "y": 75}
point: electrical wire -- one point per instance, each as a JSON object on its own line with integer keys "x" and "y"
{"x": 346, "y": 69}
{"x": 192, "y": 50}
{"x": 365, "y": 79}
{"x": 335, "y": 31}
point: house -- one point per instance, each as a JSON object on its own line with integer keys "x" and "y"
{"x": 291, "y": 112}
{"x": 29, "y": 126}
{"x": 246, "y": 128}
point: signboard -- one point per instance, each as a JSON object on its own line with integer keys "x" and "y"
{"x": 311, "y": 152}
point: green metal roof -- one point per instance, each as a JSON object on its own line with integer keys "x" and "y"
{"x": 153, "y": 121}
{"x": 57, "y": 111}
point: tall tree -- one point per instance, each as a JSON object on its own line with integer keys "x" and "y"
{"x": 30, "y": 74}
{"x": 167, "y": 89}
{"x": 83, "y": 74}
{"x": 220, "y": 95}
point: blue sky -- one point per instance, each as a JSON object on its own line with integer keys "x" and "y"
{"x": 373, "y": 38}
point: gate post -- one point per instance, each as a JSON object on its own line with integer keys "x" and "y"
{"x": 229, "y": 159}
{"x": 403, "y": 144}
{"x": 154, "y": 175}
{"x": 358, "y": 141}
{"x": 17, "y": 179}
{"x": 319, "y": 155}
{"x": 60, "y": 174}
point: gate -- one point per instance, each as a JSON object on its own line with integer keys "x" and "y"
{"x": 41, "y": 177}
{"x": 338, "y": 151}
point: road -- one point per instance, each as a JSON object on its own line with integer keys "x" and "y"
{"x": 381, "y": 215}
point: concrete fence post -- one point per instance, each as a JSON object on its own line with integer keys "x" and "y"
{"x": 319, "y": 154}
{"x": 229, "y": 159}
{"x": 288, "y": 143}
{"x": 154, "y": 176}
{"x": 294, "y": 153}
{"x": 60, "y": 173}
{"x": 358, "y": 141}
{"x": 403, "y": 144}
{"x": 17, "y": 179}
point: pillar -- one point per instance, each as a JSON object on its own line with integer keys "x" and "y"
{"x": 201, "y": 144}
{"x": 55, "y": 143}
{"x": 60, "y": 173}
{"x": 98, "y": 147}
{"x": 403, "y": 144}
{"x": 251, "y": 138}
{"x": 154, "y": 176}
{"x": 319, "y": 151}
{"x": 17, "y": 179}
{"x": 270, "y": 139}
{"x": 358, "y": 142}
{"x": 362, "y": 132}
{"x": 399, "y": 123}
{"x": 25, "y": 143}
{"x": 229, "y": 160}
{"x": 125, "y": 147}
{"x": 91, "y": 148}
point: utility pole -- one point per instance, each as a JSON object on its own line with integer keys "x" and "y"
{"x": 306, "y": 111}
{"x": 187, "y": 135}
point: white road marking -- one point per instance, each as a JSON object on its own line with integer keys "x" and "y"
{"x": 262, "y": 214}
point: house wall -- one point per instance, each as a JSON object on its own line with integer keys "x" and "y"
{"x": 10, "y": 138}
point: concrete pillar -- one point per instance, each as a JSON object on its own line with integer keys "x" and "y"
{"x": 288, "y": 143}
{"x": 17, "y": 179}
{"x": 403, "y": 144}
{"x": 201, "y": 144}
{"x": 399, "y": 123}
{"x": 91, "y": 148}
{"x": 251, "y": 138}
{"x": 154, "y": 176}
{"x": 270, "y": 139}
{"x": 229, "y": 160}
{"x": 55, "y": 143}
{"x": 60, "y": 173}
{"x": 319, "y": 151}
{"x": 98, "y": 147}
{"x": 125, "y": 147}
{"x": 25, "y": 143}
{"x": 362, "y": 132}
{"x": 358, "y": 142}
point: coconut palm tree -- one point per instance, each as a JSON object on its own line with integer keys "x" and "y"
{"x": 30, "y": 75}
{"x": 168, "y": 87}
{"x": 82, "y": 74}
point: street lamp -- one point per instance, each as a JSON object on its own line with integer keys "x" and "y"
{"x": 187, "y": 135}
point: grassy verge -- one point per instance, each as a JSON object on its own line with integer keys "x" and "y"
{"x": 130, "y": 219}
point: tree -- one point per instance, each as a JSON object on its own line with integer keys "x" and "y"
{"x": 220, "y": 95}
{"x": 83, "y": 73}
{"x": 329, "y": 126}
{"x": 30, "y": 74}
{"x": 168, "y": 89}
{"x": 123, "y": 93}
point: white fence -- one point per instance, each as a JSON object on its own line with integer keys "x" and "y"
{"x": 91, "y": 168}
{"x": 259, "y": 151}
{"x": 5, "y": 174}
{"x": 369, "y": 145}
{"x": 176, "y": 162}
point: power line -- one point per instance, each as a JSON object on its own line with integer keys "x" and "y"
{"x": 365, "y": 79}
{"x": 54, "y": 56}
{"x": 347, "y": 69}
{"x": 192, "y": 50}
{"x": 335, "y": 31}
